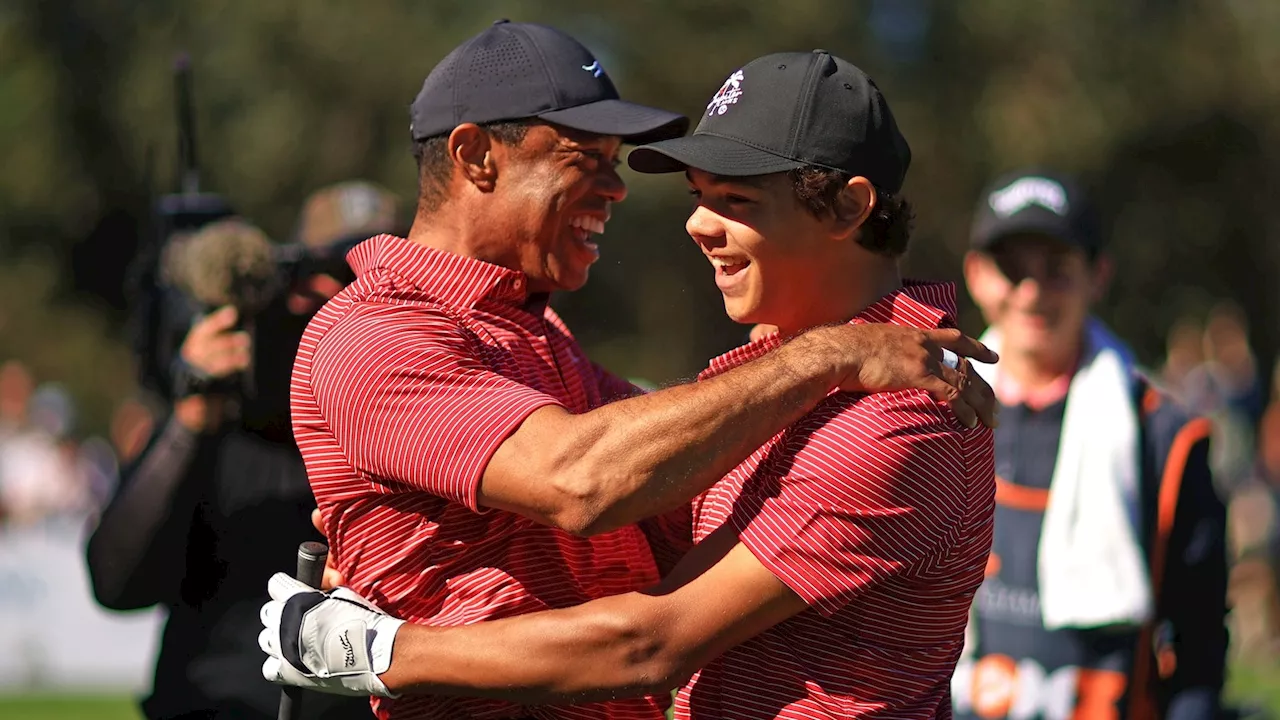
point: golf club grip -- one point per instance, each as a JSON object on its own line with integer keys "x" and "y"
{"x": 311, "y": 560}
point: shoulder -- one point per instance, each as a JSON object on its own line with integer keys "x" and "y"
{"x": 904, "y": 417}
{"x": 901, "y": 438}
{"x": 1178, "y": 443}
{"x": 372, "y": 339}
{"x": 371, "y": 327}
{"x": 1169, "y": 425}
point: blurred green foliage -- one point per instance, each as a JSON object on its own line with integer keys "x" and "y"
{"x": 1168, "y": 107}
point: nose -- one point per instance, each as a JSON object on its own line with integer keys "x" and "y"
{"x": 1029, "y": 288}
{"x": 610, "y": 184}
{"x": 705, "y": 227}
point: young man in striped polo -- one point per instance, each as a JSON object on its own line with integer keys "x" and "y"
{"x": 833, "y": 570}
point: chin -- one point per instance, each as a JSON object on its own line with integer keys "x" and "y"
{"x": 742, "y": 312}
{"x": 1037, "y": 345}
{"x": 572, "y": 280}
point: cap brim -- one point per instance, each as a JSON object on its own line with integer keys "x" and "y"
{"x": 710, "y": 153}
{"x": 633, "y": 123}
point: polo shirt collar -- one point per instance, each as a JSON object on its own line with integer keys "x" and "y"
{"x": 915, "y": 304}
{"x": 447, "y": 277}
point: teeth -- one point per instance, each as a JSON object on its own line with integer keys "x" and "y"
{"x": 723, "y": 263}
{"x": 590, "y": 224}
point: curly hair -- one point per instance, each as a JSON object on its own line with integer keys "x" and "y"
{"x": 888, "y": 230}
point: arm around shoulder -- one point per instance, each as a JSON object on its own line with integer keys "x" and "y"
{"x": 626, "y": 645}
{"x": 415, "y": 407}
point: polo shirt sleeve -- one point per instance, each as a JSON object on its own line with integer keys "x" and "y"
{"x": 613, "y": 387}
{"x": 864, "y": 490}
{"x": 408, "y": 398}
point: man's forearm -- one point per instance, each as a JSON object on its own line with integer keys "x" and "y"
{"x": 592, "y": 652}
{"x": 639, "y": 457}
{"x": 129, "y": 526}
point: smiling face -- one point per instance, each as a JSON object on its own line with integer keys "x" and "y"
{"x": 1037, "y": 290}
{"x": 556, "y": 187}
{"x": 772, "y": 257}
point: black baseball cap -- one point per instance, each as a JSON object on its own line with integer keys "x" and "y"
{"x": 1036, "y": 202}
{"x": 786, "y": 111}
{"x": 515, "y": 71}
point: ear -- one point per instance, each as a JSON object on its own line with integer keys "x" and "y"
{"x": 983, "y": 279}
{"x": 974, "y": 267}
{"x": 853, "y": 206}
{"x": 1101, "y": 272}
{"x": 471, "y": 153}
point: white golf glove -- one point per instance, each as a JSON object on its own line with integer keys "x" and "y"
{"x": 335, "y": 642}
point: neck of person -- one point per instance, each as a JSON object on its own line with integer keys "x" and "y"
{"x": 844, "y": 291}
{"x": 452, "y": 229}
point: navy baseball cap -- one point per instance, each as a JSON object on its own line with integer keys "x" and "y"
{"x": 515, "y": 71}
{"x": 1036, "y": 202}
{"x": 787, "y": 111}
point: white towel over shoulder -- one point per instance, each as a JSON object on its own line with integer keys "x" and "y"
{"x": 1091, "y": 566}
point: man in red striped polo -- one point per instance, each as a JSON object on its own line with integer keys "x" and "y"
{"x": 834, "y": 566}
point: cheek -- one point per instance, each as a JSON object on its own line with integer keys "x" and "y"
{"x": 1079, "y": 302}
{"x": 536, "y": 189}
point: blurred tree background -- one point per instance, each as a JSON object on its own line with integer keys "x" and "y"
{"x": 1166, "y": 107}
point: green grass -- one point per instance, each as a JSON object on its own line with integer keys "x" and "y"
{"x": 68, "y": 707}
{"x": 1256, "y": 687}
{"x": 1252, "y": 687}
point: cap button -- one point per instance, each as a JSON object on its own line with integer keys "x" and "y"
{"x": 820, "y": 51}
{"x": 501, "y": 21}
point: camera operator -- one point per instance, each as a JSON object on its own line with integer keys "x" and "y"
{"x": 219, "y": 498}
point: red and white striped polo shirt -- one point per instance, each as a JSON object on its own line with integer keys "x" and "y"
{"x": 877, "y": 510}
{"x": 405, "y": 384}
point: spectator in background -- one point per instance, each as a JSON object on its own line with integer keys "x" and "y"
{"x": 1184, "y": 355}
{"x": 1235, "y": 401}
{"x": 1227, "y": 348}
{"x": 16, "y": 386}
{"x": 40, "y": 477}
{"x": 1212, "y": 370}
{"x": 215, "y": 504}
{"x": 1255, "y": 548}
{"x": 1105, "y": 590}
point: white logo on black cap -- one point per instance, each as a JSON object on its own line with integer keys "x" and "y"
{"x": 594, "y": 68}
{"x": 1029, "y": 191}
{"x": 728, "y": 94}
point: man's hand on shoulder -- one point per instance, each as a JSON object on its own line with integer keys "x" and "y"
{"x": 875, "y": 357}
{"x": 335, "y": 642}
